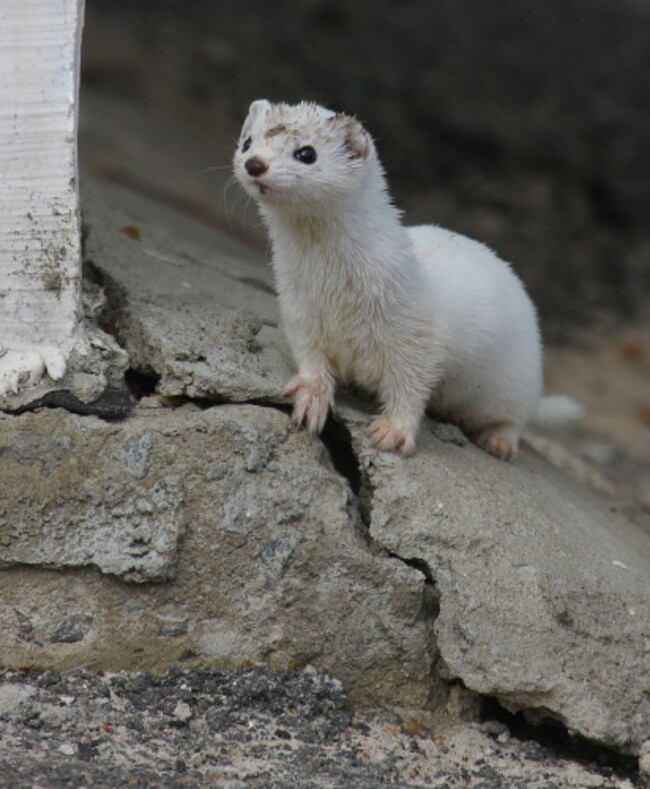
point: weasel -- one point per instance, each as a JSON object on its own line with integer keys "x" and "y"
{"x": 421, "y": 316}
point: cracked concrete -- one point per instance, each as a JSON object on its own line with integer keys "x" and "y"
{"x": 263, "y": 557}
{"x": 216, "y": 535}
{"x": 537, "y": 583}
{"x": 200, "y": 316}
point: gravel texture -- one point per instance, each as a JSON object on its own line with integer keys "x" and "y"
{"x": 253, "y": 727}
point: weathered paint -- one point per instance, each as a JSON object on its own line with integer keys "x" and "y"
{"x": 40, "y": 260}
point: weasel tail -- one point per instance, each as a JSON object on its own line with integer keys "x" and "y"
{"x": 557, "y": 410}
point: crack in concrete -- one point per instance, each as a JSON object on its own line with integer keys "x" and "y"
{"x": 337, "y": 440}
{"x": 526, "y": 725}
{"x": 554, "y": 735}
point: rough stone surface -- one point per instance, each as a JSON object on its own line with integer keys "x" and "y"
{"x": 544, "y": 593}
{"x": 190, "y": 305}
{"x": 54, "y": 513}
{"x": 272, "y": 563}
{"x": 408, "y": 580}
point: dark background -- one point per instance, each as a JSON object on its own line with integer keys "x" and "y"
{"x": 523, "y": 124}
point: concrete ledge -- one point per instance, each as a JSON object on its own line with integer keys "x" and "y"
{"x": 211, "y": 532}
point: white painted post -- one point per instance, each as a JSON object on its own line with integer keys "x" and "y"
{"x": 40, "y": 248}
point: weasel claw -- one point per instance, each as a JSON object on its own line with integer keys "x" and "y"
{"x": 389, "y": 437}
{"x": 313, "y": 398}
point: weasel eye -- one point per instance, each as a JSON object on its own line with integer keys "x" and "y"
{"x": 306, "y": 155}
{"x": 246, "y": 145}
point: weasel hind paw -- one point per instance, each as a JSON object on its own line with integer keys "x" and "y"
{"x": 313, "y": 398}
{"x": 390, "y": 437}
{"x": 499, "y": 442}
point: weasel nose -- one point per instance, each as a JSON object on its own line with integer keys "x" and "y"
{"x": 255, "y": 167}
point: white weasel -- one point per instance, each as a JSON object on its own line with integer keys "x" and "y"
{"x": 421, "y": 316}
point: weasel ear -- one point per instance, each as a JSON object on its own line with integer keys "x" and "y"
{"x": 259, "y": 107}
{"x": 256, "y": 110}
{"x": 356, "y": 140}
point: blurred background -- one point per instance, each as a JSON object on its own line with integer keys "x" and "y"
{"x": 523, "y": 124}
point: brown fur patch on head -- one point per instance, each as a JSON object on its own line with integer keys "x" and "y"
{"x": 355, "y": 140}
{"x": 275, "y": 131}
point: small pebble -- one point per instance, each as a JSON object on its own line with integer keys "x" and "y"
{"x": 182, "y": 711}
{"x": 495, "y": 728}
{"x": 68, "y": 749}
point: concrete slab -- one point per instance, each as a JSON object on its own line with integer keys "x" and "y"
{"x": 191, "y": 306}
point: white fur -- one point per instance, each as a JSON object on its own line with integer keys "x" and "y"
{"x": 556, "y": 410}
{"x": 421, "y": 316}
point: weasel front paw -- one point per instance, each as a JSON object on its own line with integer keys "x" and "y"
{"x": 390, "y": 437}
{"x": 313, "y": 398}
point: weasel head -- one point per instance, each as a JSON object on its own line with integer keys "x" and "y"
{"x": 301, "y": 157}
